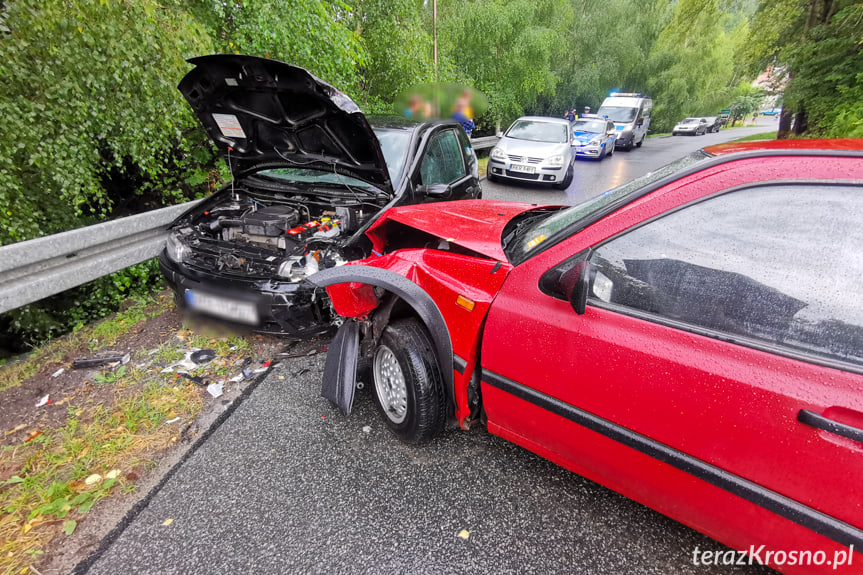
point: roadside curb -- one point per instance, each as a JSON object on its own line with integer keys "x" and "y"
{"x": 84, "y": 566}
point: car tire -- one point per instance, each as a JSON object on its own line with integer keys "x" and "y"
{"x": 611, "y": 150}
{"x": 567, "y": 179}
{"x": 641, "y": 141}
{"x": 408, "y": 384}
{"x": 490, "y": 177}
{"x": 602, "y": 155}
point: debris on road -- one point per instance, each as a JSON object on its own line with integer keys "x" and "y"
{"x": 464, "y": 534}
{"x": 196, "y": 379}
{"x": 367, "y": 429}
{"x": 215, "y": 389}
{"x": 87, "y": 362}
{"x": 93, "y": 479}
{"x": 167, "y": 522}
{"x": 170, "y": 421}
{"x": 59, "y": 372}
{"x": 44, "y": 401}
{"x": 203, "y": 356}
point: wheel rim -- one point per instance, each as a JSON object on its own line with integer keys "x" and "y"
{"x": 390, "y": 385}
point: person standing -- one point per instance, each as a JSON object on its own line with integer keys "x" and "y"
{"x": 570, "y": 115}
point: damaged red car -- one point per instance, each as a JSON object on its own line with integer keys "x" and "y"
{"x": 692, "y": 339}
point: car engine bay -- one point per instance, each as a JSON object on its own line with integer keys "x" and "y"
{"x": 257, "y": 234}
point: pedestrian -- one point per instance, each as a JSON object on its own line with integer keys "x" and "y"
{"x": 570, "y": 115}
{"x": 462, "y": 111}
{"x": 587, "y": 109}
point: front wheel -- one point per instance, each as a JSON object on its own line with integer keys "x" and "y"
{"x": 408, "y": 382}
{"x": 567, "y": 179}
{"x": 641, "y": 141}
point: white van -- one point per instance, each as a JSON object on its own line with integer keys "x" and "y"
{"x": 631, "y": 116}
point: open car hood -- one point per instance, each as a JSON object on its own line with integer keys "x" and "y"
{"x": 473, "y": 224}
{"x": 265, "y": 113}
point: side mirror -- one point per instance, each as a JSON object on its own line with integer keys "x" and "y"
{"x": 575, "y": 284}
{"x": 612, "y": 132}
{"x": 435, "y": 190}
{"x": 639, "y": 122}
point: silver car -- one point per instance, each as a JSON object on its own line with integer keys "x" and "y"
{"x": 691, "y": 126}
{"x": 593, "y": 137}
{"x": 534, "y": 148}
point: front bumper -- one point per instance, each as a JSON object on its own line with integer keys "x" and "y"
{"x": 624, "y": 140}
{"x": 588, "y": 151}
{"x": 542, "y": 174}
{"x": 297, "y": 310}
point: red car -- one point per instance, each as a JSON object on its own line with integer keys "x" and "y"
{"x": 692, "y": 340}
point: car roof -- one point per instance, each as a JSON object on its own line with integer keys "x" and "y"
{"x": 395, "y": 122}
{"x": 842, "y": 144}
{"x": 545, "y": 119}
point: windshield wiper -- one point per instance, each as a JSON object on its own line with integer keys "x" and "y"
{"x": 526, "y": 221}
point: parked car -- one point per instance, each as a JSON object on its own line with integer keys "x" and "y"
{"x": 714, "y": 123}
{"x": 692, "y": 339}
{"x": 593, "y": 137}
{"x": 631, "y": 114}
{"x": 691, "y": 126}
{"x": 534, "y": 149}
{"x": 310, "y": 175}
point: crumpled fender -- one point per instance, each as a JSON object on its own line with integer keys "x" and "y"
{"x": 411, "y": 293}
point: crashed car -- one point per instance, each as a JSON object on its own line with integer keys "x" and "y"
{"x": 310, "y": 175}
{"x": 692, "y": 339}
{"x": 593, "y": 137}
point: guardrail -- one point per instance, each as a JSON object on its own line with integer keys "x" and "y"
{"x": 36, "y": 269}
{"x": 483, "y": 143}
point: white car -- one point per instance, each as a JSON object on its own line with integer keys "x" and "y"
{"x": 534, "y": 149}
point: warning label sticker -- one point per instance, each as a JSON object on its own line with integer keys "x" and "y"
{"x": 229, "y": 125}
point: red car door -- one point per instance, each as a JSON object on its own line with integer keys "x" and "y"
{"x": 715, "y": 374}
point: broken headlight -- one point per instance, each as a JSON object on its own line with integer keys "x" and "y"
{"x": 176, "y": 248}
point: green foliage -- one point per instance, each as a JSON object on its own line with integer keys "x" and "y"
{"x": 87, "y": 94}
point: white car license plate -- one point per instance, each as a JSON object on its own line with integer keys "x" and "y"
{"x": 227, "y": 308}
{"x": 524, "y": 169}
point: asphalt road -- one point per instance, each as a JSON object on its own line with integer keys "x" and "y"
{"x": 286, "y": 484}
{"x": 591, "y": 178}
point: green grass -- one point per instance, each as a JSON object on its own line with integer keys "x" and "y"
{"x": 754, "y": 137}
{"x": 659, "y": 135}
{"x": 483, "y": 166}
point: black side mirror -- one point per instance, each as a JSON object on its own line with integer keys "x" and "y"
{"x": 639, "y": 122}
{"x": 575, "y": 284}
{"x": 435, "y": 190}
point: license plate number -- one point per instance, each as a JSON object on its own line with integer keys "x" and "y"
{"x": 223, "y": 307}
{"x": 523, "y": 169}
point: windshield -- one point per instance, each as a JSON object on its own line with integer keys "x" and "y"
{"x": 619, "y": 115}
{"x": 538, "y": 131}
{"x": 547, "y": 228}
{"x": 394, "y": 145}
{"x": 595, "y": 126}
{"x": 690, "y": 121}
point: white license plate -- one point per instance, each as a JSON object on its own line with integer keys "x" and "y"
{"x": 523, "y": 169}
{"x": 227, "y": 308}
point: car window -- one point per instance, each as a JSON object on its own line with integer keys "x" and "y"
{"x": 443, "y": 162}
{"x": 394, "y": 145}
{"x": 779, "y": 265}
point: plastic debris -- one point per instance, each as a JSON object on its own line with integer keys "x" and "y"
{"x": 248, "y": 373}
{"x": 215, "y": 389}
{"x": 167, "y": 522}
{"x": 59, "y": 372}
{"x": 113, "y": 474}
{"x": 203, "y": 356}
{"x": 196, "y": 379}
{"x": 44, "y": 401}
{"x": 33, "y": 436}
{"x": 367, "y": 429}
{"x": 170, "y": 421}
{"x": 93, "y": 479}
{"x": 85, "y": 362}
{"x": 464, "y": 534}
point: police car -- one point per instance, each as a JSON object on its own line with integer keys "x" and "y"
{"x": 593, "y": 136}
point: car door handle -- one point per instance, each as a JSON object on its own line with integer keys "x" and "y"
{"x": 821, "y": 422}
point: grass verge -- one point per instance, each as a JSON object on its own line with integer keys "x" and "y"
{"x": 754, "y": 137}
{"x": 483, "y": 165}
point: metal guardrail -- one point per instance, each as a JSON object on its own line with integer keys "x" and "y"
{"x": 483, "y": 143}
{"x": 35, "y": 269}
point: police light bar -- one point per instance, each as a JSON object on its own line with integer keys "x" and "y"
{"x": 626, "y": 94}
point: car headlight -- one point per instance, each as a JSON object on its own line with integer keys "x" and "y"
{"x": 497, "y": 154}
{"x": 176, "y": 248}
{"x": 596, "y": 141}
{"x": 555, "y": 161}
